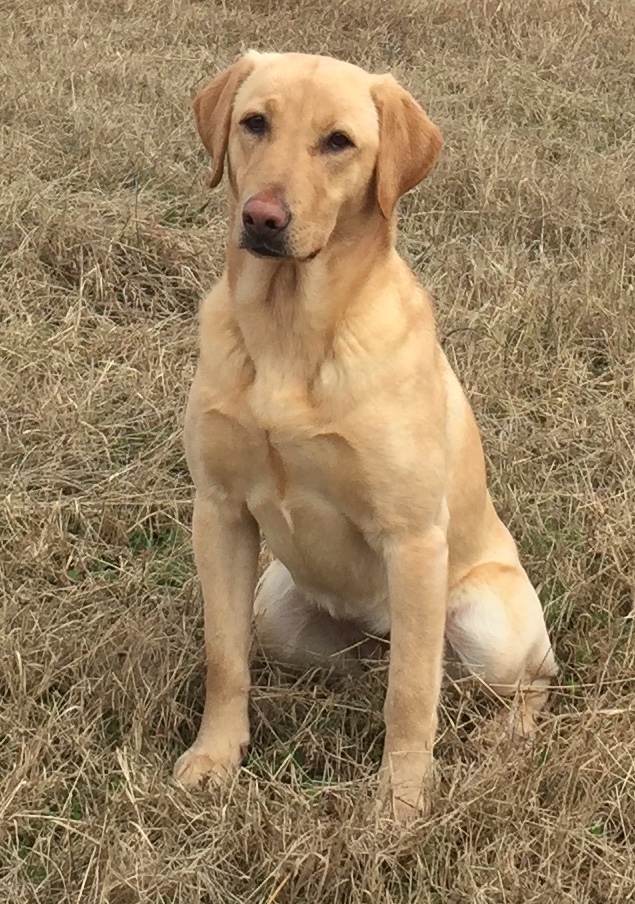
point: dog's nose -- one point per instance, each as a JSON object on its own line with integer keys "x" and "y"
{"x": 265, "y": 215}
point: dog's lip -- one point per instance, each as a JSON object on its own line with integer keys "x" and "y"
{"x": 261, "y": 249}
{"x": 309, "y": 257}
{"x": 266, "y": 251}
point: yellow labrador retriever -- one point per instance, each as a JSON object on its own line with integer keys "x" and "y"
{"x": 324, "y": 412}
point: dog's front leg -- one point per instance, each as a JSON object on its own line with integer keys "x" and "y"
{"x": 418, "y": 587}
{"x": 226, "y": 544}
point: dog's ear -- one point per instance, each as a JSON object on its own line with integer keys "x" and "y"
{"x": 213, "y": 109}
{"x": 409, "y": 143}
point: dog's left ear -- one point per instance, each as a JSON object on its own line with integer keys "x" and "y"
{"x": 409, "y": 143}
{"x": 213, "y": 111}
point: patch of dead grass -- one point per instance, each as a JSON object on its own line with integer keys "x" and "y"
{"x": 108, "y": 238}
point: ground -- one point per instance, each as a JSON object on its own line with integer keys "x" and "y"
{"x": 109, "y": 236}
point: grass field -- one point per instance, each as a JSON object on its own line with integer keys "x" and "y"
{"x": 109, "y": 236}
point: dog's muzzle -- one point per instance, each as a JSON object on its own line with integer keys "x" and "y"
{"x": 266, "y": 218}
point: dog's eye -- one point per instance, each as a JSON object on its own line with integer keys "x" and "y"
{"x": 338, "y": 141}
{"x": 256, "y": 124}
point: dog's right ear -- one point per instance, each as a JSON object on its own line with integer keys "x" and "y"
{"x": 409, "y": 143}
{"x": 213, "y": 110}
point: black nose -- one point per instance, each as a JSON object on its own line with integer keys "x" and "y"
{"x": 265, "y": 216}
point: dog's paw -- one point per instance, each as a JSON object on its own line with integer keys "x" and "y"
{"x": 198, "y": 764}
{"x": 406, "y": 786}
{"x": 405, "y": 804}
{"x": 515, "y": 726}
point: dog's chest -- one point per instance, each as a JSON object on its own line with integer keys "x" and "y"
{"x": 305, "y": 454}
{"x": 310, "y": 476}
{"x": 308, "y": 493}
{"x": 313, "y": 509}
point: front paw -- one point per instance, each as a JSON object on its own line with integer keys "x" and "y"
{"x": 406, "y": 785}
{"x": 204, "y": 762}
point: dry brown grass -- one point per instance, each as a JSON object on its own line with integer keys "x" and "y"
{"x": 525, "y": 234}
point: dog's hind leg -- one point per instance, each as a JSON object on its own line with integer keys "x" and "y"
{"x": 292, "y": 630}
{"x": 496, "y": 626}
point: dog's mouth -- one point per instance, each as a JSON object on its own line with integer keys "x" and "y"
{"x": 262, "y": 248}
{"x": 275, "y": 251}
{"x": 309, "y": 257}
{"x": 264, "y": 251}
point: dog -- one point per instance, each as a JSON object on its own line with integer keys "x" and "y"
{"x": 324, "y": 413}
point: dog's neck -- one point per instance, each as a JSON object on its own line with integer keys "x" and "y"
{"x": 291, "y": 310}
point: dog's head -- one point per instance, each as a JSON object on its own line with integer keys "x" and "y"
{"x": 311, "y": 143}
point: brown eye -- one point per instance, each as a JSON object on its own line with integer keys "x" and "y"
{"x": 338, "y": 141}
{"x": 256, "y": 124}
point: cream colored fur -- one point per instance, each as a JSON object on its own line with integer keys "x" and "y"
{"x": 324, "y": 413}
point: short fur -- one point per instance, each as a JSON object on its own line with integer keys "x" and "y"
{"x": 324, "y": 412}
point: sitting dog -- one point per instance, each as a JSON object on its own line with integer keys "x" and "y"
{"x": 324, "y": 413}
